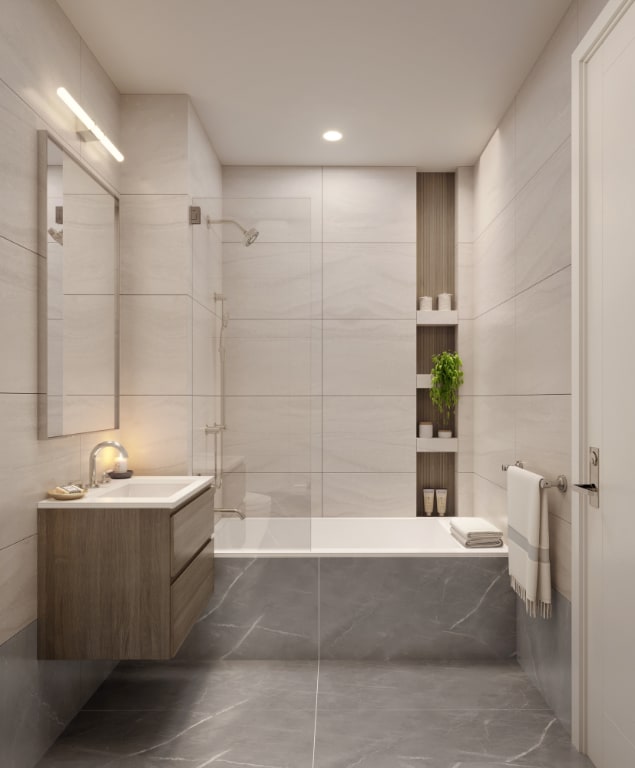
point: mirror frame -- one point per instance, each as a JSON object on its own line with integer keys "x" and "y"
{"x": 43, "y": 138}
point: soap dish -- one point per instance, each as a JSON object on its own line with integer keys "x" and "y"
{"x": 65, "y": 496}
{"x": 121, "y": 475}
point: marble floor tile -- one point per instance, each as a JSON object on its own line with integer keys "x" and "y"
{"x": 408, "y": 685}
{"x": 263, "y": 715}
{"x": 442, "y": 739}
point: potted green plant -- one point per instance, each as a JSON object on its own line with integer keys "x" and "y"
{"x": 447, "y": 377}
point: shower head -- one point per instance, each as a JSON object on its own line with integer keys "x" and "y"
{"x": 249, "y": 235}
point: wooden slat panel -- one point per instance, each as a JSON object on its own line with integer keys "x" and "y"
{"x": 436, "y": 470}
{"x": 192, "y": 526}
{"x": 435, "y": 235}
{"x": 435, "y": 274}
{"x": 190, "y": 593}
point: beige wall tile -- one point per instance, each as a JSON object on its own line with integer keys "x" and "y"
{"x": 19, "y": 303}
{"x": 560, "y": 554}
{"x": 18, "y": 587}
{"x": 494, "y": 437}
{"x": 369, "y": 495}
{"x": 365, "y": 205}
{"x": 493, "y": 274}
{"x": 494, "y": 353}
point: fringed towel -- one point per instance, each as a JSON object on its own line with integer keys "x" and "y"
{"x": 528, "y": 541}
{"x": 474, "y": 532}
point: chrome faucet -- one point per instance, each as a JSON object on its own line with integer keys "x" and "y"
{"x": 92, "y": 472}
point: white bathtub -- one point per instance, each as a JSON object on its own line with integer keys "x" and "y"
{"x": 341, "y": 536}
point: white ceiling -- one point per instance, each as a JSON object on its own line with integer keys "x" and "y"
{"x": 408, "y": 82}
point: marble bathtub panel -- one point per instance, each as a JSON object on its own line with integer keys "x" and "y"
{"x": 369, "y": 434}
{"x": 416, "y": 608}
{"x": 187, "y": 737}
{"x": 277, "y": 181}
{"x": 369, "y": 280}
{"x": 369, "y": 494}
{"x": 271, "y": 280}
{"x": 155, "y": 243}
{"x": 443, "y": 739}
{"x": 264, "y": 608}
{"x": 369, "y": 357}
{"x": 366, "y": 205}
{"x": 544, "y": 653}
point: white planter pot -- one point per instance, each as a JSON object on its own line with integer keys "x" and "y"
{"x": 445, "y": 433}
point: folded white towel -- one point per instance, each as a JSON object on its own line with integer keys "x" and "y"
{"x": 528, "y": 540}
{"x": 475, "y": 527}
{"x": 477, "y": 543}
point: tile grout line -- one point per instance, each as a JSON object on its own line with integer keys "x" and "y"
{"x": 317, "y": 682}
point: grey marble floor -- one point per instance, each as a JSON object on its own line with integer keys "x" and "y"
{"x": 298, "y": 714}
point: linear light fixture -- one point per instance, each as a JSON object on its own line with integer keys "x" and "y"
{"x": 90, "y": 124}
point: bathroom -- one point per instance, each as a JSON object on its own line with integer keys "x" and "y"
{"x": 317, "y": 320}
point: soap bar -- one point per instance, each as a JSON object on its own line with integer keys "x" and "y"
{"x": 68, "y": 489}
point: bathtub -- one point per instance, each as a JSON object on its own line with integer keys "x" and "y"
{"x": 342, "y": 536}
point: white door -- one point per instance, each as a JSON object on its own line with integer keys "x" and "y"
{"x": 606, "y": 217}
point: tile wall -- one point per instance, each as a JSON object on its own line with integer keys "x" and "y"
{"x": 39, "y": 51}
{"x": 519, "y": 320}
{"x": 321, "y": 342}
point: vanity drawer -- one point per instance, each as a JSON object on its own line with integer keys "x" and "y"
{"x": 191, "y": 527}
{"x": 190, "y": 593}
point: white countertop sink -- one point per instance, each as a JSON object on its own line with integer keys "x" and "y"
{"x": 168, "y": 492}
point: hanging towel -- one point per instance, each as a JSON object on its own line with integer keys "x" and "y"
{"x": 528, "y": 518}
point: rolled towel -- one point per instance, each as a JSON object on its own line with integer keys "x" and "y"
{"x": 477, "y": 543}
{"x": 475, "y": 528}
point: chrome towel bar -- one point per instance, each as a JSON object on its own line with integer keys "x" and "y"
{"x": 560, "y": 482}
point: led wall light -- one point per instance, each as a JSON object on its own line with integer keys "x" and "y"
{"x": 90, "y": 124}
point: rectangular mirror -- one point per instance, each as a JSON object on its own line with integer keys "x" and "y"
{"x": 78, "y": 296}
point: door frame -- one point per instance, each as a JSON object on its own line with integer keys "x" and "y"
{"x": 609, "y": 17}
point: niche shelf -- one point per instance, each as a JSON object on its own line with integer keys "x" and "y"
{"x": 437, "y": 317}
{"x": 436, "y": 329}
{"x": 437, "y": 444}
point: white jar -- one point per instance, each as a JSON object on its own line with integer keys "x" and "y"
{"x": 444, "y": 302}
{"x": 425, "y": 303}
{"x": 425, "y": 429}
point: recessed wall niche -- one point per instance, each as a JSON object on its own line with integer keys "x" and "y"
{"x": 436, "y": 331}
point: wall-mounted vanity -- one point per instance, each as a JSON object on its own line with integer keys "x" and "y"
{"x": 78, "y": 236}
{"x": 125, "y": 572}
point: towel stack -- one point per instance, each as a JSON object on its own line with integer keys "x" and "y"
{"x": 474, "y": 532}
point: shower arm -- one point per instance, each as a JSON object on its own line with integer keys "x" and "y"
{"x": 226, "y": 221}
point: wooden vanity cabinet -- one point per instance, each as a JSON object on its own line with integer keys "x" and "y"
{"x": 119, "y": 583}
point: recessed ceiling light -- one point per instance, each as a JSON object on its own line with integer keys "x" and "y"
{"x": 332, "y": 135}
